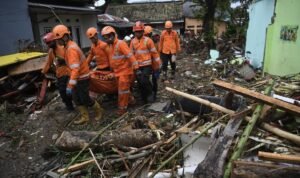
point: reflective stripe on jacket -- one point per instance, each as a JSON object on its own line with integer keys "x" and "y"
{"x": 52, "y": 57}
{"x": 76, "y": 61}
{"x": 122, "y": 61}
{"x": 101, "y": 53}
{"x": 169, "y": 42}
{"x": 145, "y": 52}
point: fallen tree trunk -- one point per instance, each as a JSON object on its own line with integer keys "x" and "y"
{"x": 76, "y": 140}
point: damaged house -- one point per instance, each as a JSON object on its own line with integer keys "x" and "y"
{"x": 26, "y": 21}
{"x": 151, "y": 13}
{"x": 25, "y": 24}
{"x": 195, "y": 25}
{"x": 273, "y": 36}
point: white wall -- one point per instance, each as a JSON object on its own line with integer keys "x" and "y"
{"x": 75, "y": 22}
{"x": 260, "y": 14}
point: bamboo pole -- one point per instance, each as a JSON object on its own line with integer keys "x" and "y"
{"x": 279, "y": 157}
{"x": 200, "y": 100}
{"x": 98, "y": 134}
{"x": 76, "y": 166}
{"x": 96, "y": 162}
{"x": 281, "y": 133}
{"x": 241, "y": 144}
{"x": 187, "y": 145}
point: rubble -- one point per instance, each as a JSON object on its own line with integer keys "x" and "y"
{"x": 177, "y": 124}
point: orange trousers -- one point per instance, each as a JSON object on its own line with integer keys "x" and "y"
{"x": 124, "y": 83}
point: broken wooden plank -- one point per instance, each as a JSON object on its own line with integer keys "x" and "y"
{"x": 200, "y": 100}
{"x": 247, "y": 169}
{"x": 28, "y": 66}
{"x": 275, "y": 157}
{"x": 258, "y": 96}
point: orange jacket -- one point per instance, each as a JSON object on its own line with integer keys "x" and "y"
{"x": 122, "y": 61}
{"x": 145, "y": 52}
{"x": 169, "y": 42}
{"x": 54, "y": 57}
{"x": 76, "y": 61}
{"x": 101, "y": 53}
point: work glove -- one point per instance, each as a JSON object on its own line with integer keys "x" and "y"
{"x": 138, "y": 72}
{"x": 110, "y": 76}
{"x": 69, "y": 91}
{"x": 156, "y": 74}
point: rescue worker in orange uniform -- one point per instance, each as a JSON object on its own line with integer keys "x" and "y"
{"x": 99, "y": 50}
{"x": 156, "y": 65}
{"x": 56, "y": 57}
{"x": 123, "y": 64}
{"x": 148, "y": 59}
{"x": 169, "y": 47}
{"x": 78, "y": 85}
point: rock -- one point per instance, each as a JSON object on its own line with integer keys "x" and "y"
{"x": 54, "y": 136}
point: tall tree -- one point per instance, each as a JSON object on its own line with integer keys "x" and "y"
{"x": 210, "y": 11}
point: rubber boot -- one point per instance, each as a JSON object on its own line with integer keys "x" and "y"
{"x": 84, "y": 115}
{"x": 98, "y": 111}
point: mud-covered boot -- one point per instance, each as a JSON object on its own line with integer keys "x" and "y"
{"x": 84, "y": 115}
{"x": 98, "y": 111}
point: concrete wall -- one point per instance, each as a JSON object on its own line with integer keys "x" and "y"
{"x": 260, "y": 14}
{"x": 78, "y": 24}
{"x": 15, "y": 26}
{"x": 283, "y": 57}
{"x": 196, "y": 25}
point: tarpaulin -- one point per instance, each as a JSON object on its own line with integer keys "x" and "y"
{"x": 99, "y": 83}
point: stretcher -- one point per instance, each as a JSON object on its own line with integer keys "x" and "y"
{"x": 101, "y": 84}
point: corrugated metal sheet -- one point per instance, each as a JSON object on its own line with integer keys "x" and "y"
{"x": 18, "y": 57}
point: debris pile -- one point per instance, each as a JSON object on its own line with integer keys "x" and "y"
{"x": 201, "y": 127}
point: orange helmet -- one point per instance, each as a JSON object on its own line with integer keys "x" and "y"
{"x": 148, "y": 30}
{"x": 59, "y": 31}
{"x": 48, "y": 37}
{"x": 168, "y": 24}
{"x": 91, "y": 32}
{"x": 139, "y": 26}
{"x": 107, "y": 30}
